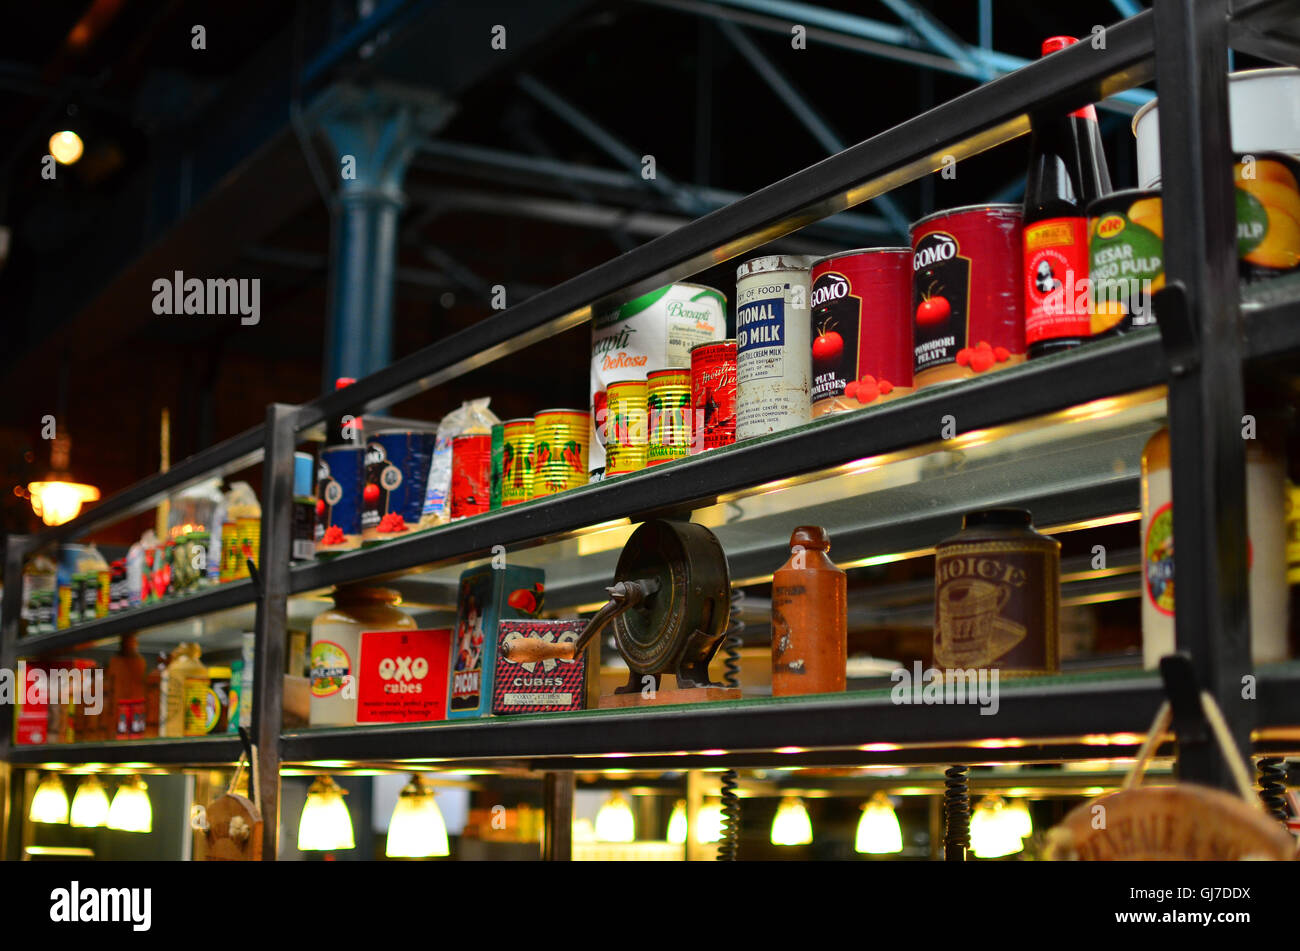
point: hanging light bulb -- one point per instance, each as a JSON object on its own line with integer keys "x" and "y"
{"x": 677, "y": 823}
{"x": 1018, "y": 819}
{"x": 992, "y": 835}
{"x": 417, "y": 829}
{"x": 90, "y": 804}
{"x": 325, "y": 825}
{"x": 791, "y": 825}
{"x": 57, "y": 498}
{"x": 878, "y": 830}
{"x": 66, "y": 147}
{"x": 50, "y": 803}
{"x": 131, "y": 810}
{"x": 708, "y": 822}
{"x": 614, "y": 821}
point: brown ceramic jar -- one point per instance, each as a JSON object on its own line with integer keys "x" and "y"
{"x": 809, "y": 618}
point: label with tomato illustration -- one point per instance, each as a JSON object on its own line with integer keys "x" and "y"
{"x": 559, "y": 451}
{"x": 340, "y": 479}
{"x": 471, "y": 474}
{"x": 967, "y": 296}
{"x": 516, "y": 461}
{"x": 1056, "y": 271}
{"x": 330, "y": 665}
{"x": 668, "y": 413}
{"x": 397, "y": 466}
{"x": 861, "y": 352}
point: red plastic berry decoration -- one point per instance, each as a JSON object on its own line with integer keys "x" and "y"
{"x": 963, "y": 357}
{"x": 851, "y": 389}
{"x": 1001, "y": 354}
{"x": 981, "y": 360}
{"x": 885, "y": 387}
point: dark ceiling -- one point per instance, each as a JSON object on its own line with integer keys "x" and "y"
{"x": 193, "y": 163}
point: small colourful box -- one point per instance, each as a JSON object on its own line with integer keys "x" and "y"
{"x": 541, "y": 686}
{"x": 488, "y": 595}
{"x": 402, "y": 676}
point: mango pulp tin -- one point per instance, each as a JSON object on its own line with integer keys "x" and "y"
{"x": 625, "y": 427}
{"x": 516, "y": 461}
{"x": 397, "y": 466}
{"x": 1268, "y": 214}
{"x": 668, "y": 411}
{"x": 340, "y": 478}
{"x": 967, "y": 293}
{"x": 713, "y": 395}
{"x": 773, "y": 364}
{"x": 654, "y": 330}
{"x": 1125, "y": 260}
{"x": 861, "y": 328}
{"x": 559, "y": 450}
{"x": 471, "y": 474}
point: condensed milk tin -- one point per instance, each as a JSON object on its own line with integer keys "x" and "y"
{"x": 773, "y": 356}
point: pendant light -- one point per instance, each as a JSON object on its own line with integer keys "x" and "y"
{"x": 90, "y": 804}
{"x": 992, "y": 830}
{"x": 66, "y": 147}
{"x": 58, "y": 497}
{"x": 1018, "y": 818}
{"x": 50, "y": 803}
{"x": 325, "y": 825}
{"x": 791, "y": 825}
{"x": 878, "y": 830}
{"x": 614, "y": 821}
{"x": 677, "y": 823}
{"x": 708, "y": 822}
{"x": 131, "y": 810}
{"x": 417, "y": 829}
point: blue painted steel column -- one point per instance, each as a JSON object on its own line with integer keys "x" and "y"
{"x": 373, "y": 133}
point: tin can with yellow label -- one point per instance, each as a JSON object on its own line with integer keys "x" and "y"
{"x": 625, "y": 427}
{"x": 668, "y": 411}
{"x": 516, "y": 461}
{"x": 559, "y": 450}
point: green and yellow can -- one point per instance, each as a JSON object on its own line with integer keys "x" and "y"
{"x": 559, "y": 450}
{"x": 668, "y": 411}
{"x": 516, "y": 461}
{"x": 626, "y": 436}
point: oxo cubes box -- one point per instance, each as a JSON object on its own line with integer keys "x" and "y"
{"x": 402, "y": 676}
{"x": 544, "y": 685}
{"x": 488, "y": 595}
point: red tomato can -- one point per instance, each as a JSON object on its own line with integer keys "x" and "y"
{"x": 471, "y": 474}
{"x": 713, "y": 395}
{"x": 861, "y": 313}
{"x": 967, "y": 293}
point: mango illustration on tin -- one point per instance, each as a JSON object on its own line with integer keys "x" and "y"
{"x": 1268, "y": 214}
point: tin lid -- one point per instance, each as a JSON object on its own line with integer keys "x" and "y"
{"x": 857, "y": 251}
{"x": 661, "y": 372}
{"x": 730, "y": 342}
{"x": 518, "y": 421}
{"x": 1004, "y": 207}
{"x": 548, "y": 412}
{"x": 1120, "y": 197}
{"x": 218, "y": 673}
{"x": 774, "y": 262}
{"x": 351, "y": 593}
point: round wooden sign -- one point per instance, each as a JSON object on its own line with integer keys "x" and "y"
{"x": 1185, "y": 822}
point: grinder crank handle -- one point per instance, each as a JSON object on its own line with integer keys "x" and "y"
{"x": 623, "y": 595}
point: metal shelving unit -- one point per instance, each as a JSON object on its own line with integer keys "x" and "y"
{"x": 1206, "y": 333}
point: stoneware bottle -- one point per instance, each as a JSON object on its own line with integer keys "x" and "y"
{"x": 809, "y": 618}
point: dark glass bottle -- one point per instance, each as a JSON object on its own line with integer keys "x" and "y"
{"x": 1067, "y": 171}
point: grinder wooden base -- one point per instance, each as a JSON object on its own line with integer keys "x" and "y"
{"x": 664, "y": 697}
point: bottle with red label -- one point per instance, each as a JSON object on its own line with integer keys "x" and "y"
{"x": 1067, "y": 170}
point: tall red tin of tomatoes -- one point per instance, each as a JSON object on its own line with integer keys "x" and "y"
{"x": 471, "y": 474}
{"x": 861, "y": 328}
{"x": 713, "y": 395}
{"x": 967, "y": 293}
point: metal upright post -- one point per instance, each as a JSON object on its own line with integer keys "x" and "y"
{"x": 557, "y": 821}
{"x": 272, "y": 613}
{"x": 1200, "y": 323}
{"x": 10, "y": 608}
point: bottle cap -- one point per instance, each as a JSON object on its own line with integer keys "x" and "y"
{"x": 344, "y": 381}
{"x": 1054, "y": 43}
{"x": 811, "y": 538}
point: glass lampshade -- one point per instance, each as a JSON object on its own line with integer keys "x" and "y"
{"x": 614, "y": 821}
{"x": 879, "y": 832}
{"x": 326, "y": 825}
{"x": 90, "y": 804}
{"x": 791, "y": 825}
{"x": 417, "y": 829}
{"x": 131, "y": 810}
{"x": 50, "y": 802}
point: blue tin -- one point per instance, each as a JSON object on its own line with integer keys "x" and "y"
{"x": 304, "y": 468}
{"x": 340, "y": 479}
{"x": 397, "y": 468}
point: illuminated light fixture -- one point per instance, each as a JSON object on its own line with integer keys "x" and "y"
{"x": 131, "y": 810}
{"x": 992, "y": 831}
{"x": 66, "y": 147}
{"x": 417, "y": 829}
{"x": 90, "y": 804}
{"x": 57, "y": 498}
{"x": 1018, "y": 818}
{"x": 614, "y": 821}
{"x": 583, "y": 830}
{"x": 878, "y": 830}
{"x": 791, "y": 825}
{"x": 708, "y": 822}
{"x": 50, "y": 804}
{"x": 325, "y": 825}
{"x": 677, "y": 823}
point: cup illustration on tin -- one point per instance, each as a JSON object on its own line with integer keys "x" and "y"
{"x": 971, "y": 631}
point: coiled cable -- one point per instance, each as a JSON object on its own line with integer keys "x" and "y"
{"x": 729, "y": 845}
{"x": 956, "y": 801}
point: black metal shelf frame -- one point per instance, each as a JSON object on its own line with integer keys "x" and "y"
{"x": 1185, "y": 42}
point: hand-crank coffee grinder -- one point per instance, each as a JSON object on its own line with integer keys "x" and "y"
{"x": 669, "y": 605}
